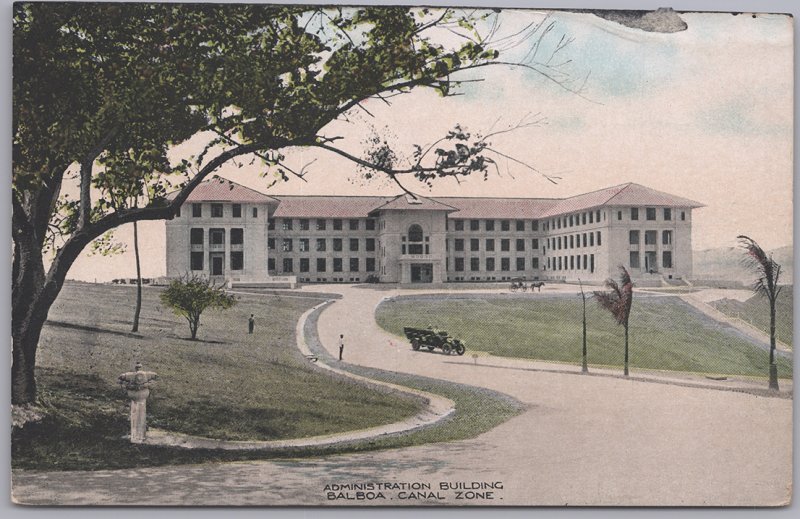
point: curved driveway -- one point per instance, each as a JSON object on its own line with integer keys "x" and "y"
{"x": 584, "y": 440}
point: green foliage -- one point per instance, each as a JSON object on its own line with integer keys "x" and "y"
{"x": 191, "y": 295}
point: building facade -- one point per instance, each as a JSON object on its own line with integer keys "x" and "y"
{"x": 235, "y": 234}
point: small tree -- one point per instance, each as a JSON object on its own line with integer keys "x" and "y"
{"x": 191, "y": 295}
{"x": 768, "y": 273}
{"x": 585, "y": 362}
{"x": 618, "y": 301}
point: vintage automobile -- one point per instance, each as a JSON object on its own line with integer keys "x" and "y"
{"x": 432, "y": 339}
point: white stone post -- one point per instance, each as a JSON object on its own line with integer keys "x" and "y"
{"x": 137, "y": 384}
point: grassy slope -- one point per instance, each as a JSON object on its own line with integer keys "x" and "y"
{"x": 666, "y": 334}
{"x": 756, "y": 311}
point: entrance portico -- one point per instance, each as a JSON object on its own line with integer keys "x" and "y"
{"x": 421, "y": 268}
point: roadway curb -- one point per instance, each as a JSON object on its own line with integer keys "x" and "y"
{"x": 437, "y": 408}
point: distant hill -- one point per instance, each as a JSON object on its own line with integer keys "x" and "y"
{"x": 725, "y": 263}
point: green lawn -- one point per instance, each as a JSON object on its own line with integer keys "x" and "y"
{"x": 226, "y": 385}
{"x": 756, "y": 311}
{"x": 665, "y": 334}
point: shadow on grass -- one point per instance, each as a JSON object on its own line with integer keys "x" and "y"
{"x": 93, "y": 329}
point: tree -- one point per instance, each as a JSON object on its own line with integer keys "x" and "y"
{"x": 101, "y": 92}
{"x": 618, "y": 300}
{"x": 584, "y": 356}
{"x": 138, "y": 310}
{"x": 190, "y": 296}
{"x": 768, "y": 273}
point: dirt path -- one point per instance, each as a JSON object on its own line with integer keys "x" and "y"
{"x": 582, "y": 441}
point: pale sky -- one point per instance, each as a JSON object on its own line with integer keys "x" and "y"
{"x": 705, "y": 114}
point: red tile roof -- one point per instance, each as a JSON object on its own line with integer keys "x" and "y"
{"x": 328, "y": 206}
{"x": 406, "y": 202}
{"x": 510, "y": 208}
{"x": 624, "y": 194}
{"x": 218, "y": 189}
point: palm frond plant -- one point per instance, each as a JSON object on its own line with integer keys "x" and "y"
{"x": 618, "y": 301}
{"x": 768, "y": 273}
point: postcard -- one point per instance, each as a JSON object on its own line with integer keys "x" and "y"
{"x": 301, "y": 255}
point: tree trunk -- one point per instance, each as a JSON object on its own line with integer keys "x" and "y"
{"x": 138, "y": 310}
{"x": 773, "y": 366}
{"x": 585, "y": 365}
{"x": 626, "y": 350}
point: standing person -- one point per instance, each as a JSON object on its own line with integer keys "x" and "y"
{"x": 251, "y": 323}
{"x": 341, "y": 346}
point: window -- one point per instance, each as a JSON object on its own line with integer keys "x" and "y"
{"x": 321, "y": 266}
{"x": 197, "y": 210}
{"x": 667, "y": 214}
{"x": 304, "y": 265}
{"x": 634, "y": 213}
{"x": 474, "y": 264}
{"x": 353, "y": 264}
{"x": 353, "y": 244}
{"x": 619, "y": 215}
{"x": 287, "y": 224}
{"x": 534, "y": 263}
{"x": 683, "y": 215}
{"x": 599, "y": 239}
{"x": 287, "y": 245}
{"x": 666, "y": 259}
{"x": 505, "y": 245}
{"x": 459, "y": 225}
{"x": 304, "y": 246}
{"x": 459, "y": 264}
{"x": 321, "y": 244}
{"x": 559, "y": 243}
{"x": 337, "y": 244}
{"x": 370, "y": 245}
{"x": 505, "y": 225}
{"x": 216, "y": 236}
{"x": 651, "y": 213}
{"x": 666, "y": 238}
{"x": 489, "y": 225}
{"x": 370, "y": 265}
{"x": 270, "y": 243}
{"x": 237, "y": 213}
{"x": 370, "y": 225}
{"x": 271, "y": 264}
{"x": 597, "y": 216}
{"x": 558, "y": 222}
{"x": 337, "y": 264}
{"x": 474, "y": 225}
{"x": 255, "y": 212}
{"x": 197, "y": 260}
{"x": 354, "y": 224}
{"x": 633, "y": 237}
{"x": 304, "y": 224}
{"x": 520, "y": 244}
{"x": 570, "y": 220}
{"x": 591, "y": 239}
{"x": 505, "y": 264}
{"x": 196, "y": 237}
{"x": 288, "y": 265}
{"x": 415, "y": 239}
{"x": 583, "y": 219}
{"x": 320, "y": 224}
{"x": 474, "y": 244}
{"x": 634, "y": 259}
{"x": 271, "y": 224}
{"x": 237, "y": 260}
{"x": 520, "y": 263}
{"x": 534, "y": 225}
{"x": 520, "y": 225}
{"x": 571, "y": 241}
{"x": 650, "y": 237}
{"x": 534, "y": 243}
{"x": 578, "y": 262}
{"x": 572, "y": 262}
{"x": 490, "y": 245}
{"x": 459, "y": 245}
{"x": 216, "y": 210}
{"x": 591, "y": 217}
{"x": 237, "y": 236}
{"x": 337, "y": 226}
{"x": 490, "y": 264}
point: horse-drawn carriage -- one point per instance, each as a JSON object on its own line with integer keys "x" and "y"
{"x": 519, "y": 284}
{"x": 432, "y": 339}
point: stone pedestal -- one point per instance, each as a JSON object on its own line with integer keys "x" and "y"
{"x": 137, "y": 385}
